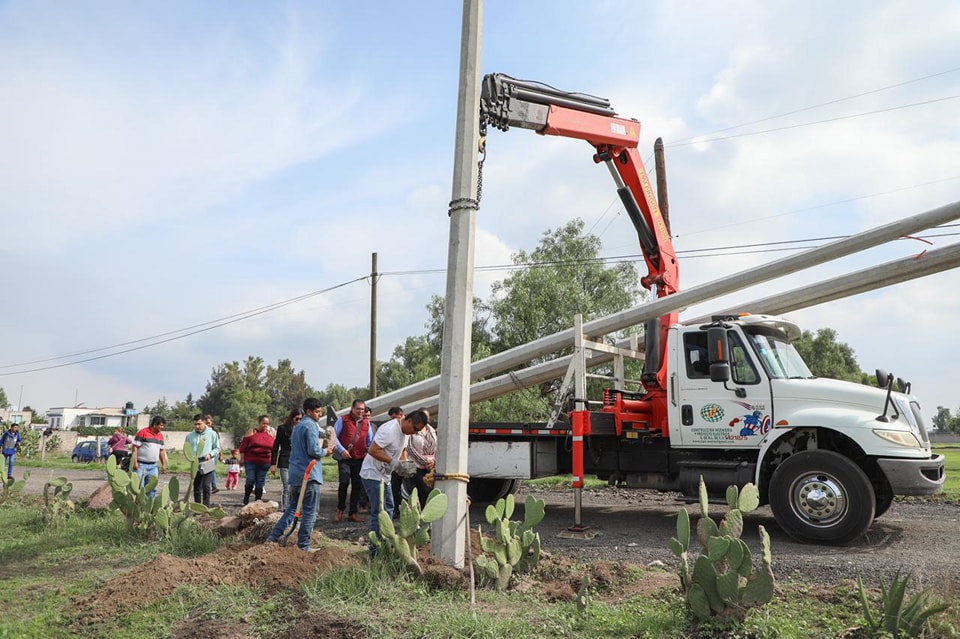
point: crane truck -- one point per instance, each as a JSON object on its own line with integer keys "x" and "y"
{"x": 728, "y": 400}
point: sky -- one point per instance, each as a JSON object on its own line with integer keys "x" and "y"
{"x": 165, "y": 165}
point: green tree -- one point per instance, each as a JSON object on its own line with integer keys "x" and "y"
{"x": 941, "y": 421}
{"x": 954, "y": 424}
{"x": 561, "y": 277}
{"x": 4, "y": 402}
{"x": 826, "y": 357}
{"x": 416, "y": 359}
{"x": 567, "y": 277}
{"x": 286, "y": 388}
{"x": 235, "y": 395}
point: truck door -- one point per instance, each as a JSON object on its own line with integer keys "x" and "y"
{"x": 733, "y": 415}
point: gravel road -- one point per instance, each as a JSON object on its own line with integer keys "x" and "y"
{"x": 635, "y": 525}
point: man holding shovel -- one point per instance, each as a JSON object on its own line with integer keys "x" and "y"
{"x": 305, "y": 477}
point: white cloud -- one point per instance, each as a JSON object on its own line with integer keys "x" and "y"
{"x": 166, "y": 168}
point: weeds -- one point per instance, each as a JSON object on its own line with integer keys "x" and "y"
{"x": 898, "y": 616}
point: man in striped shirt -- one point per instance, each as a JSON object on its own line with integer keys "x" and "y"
{"x": 148, "y": 452}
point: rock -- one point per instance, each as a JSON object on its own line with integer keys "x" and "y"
{"x": 229, "y": 526}
{"x": 101, "y": 498}
{"x": 257, "y": 510}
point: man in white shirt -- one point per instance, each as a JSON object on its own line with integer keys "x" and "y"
{"x": 383, "y": 458}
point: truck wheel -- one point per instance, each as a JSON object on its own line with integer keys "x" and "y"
{"x": 820, "y": 496}
{"x": 884, "y": 501}
{"x": 483, "y": 491}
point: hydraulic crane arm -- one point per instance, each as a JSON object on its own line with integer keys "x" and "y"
{"x": 507, "y": 102}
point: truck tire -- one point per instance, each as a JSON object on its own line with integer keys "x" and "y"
{"x": 484, "y": 491}
{"x": 819, "y": 496}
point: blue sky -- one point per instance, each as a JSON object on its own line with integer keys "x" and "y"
{"x": 169, "y": 164}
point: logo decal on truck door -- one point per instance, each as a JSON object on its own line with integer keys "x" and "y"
{"x": 712, "y": 413}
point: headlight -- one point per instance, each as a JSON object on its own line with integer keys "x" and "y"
{"x": 898, "y": 437}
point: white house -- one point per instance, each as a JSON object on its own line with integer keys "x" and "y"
{"x": 71, "y": 418}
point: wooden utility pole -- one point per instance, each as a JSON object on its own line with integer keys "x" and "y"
{"x": 661, "y": 165}
{"x": 374, "y": 276}
{"x": 450, "y": 532}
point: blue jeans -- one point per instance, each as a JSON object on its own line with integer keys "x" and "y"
{"x": 308, "y": 516}
{"x": 144, "y": 471}
{"x": 9, "y": 460}
{"x": 372, "y": 486}
{"x": 285, "y": 493}
{"x": 256, "y": 475}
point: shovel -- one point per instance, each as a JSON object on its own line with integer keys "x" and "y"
{"x": 296, "y": 514}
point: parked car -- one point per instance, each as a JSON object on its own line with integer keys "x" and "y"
{"x": 85, "y": 452}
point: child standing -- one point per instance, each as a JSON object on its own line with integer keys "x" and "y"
{"x": 233, "y": 471}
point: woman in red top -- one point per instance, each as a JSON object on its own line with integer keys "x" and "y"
{"x": 256, "y": 450}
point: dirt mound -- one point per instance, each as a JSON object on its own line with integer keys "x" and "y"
{"x": 265, "y": 565}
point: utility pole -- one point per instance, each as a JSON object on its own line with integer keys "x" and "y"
{"x": 450, "y": 532}
{"x": 374, "y": 276}
{"x": 661, "y": 165}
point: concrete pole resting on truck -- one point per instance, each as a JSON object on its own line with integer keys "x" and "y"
{"x": 524, "y": 353}
{"x": 450, "y": 531}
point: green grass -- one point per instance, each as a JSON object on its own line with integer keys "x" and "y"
{"x": 951, "y": 487}
{"x": 46, "y": 568}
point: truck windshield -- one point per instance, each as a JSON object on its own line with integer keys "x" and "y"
{"x": 779, "y": 357}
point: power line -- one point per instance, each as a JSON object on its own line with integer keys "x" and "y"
{"x": 715, "y": 251}
{"x": 820, "y": 206}
{"x": 803, "y": 124}
{"x": 823, "y": 104}
{"x": 208, "y": 326}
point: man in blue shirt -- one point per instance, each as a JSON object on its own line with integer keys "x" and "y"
{"x": 304, "y": 445}
{"x": 10, "y": 444}
{"x": 203, "y": 438}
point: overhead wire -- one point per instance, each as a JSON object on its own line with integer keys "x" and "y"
{"x": 174, "y": 335}
{"x": 804, "y": 124}
{"x": 822, "y": 104}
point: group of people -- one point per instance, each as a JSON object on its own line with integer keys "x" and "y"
{"x": 367, "y": 460}
{"x": 254, "y": 455}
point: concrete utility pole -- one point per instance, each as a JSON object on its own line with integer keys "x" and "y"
{"x": 450, "y": 532}
{"x": 374, "y": 276}
{"x": 660, "y": 162}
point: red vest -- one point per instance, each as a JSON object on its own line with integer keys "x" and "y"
{"x": 347, "y": 429}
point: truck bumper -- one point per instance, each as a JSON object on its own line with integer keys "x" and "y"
{"x": 914, "y": 476}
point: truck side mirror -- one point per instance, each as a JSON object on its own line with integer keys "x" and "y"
{"x": 717, "y": 354}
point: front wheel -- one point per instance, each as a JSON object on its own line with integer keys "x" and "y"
{"x": 819, "y": 496}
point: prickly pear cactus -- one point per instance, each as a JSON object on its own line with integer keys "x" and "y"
{"x": 514, "y": 547}
{"x": 162, "y": 515}
{"x": 412, "y": 529}
{"x": 723, "y": 580}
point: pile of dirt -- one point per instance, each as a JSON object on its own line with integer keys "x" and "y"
{"x": 274, "y": 568}
{"x": 269, "y": 566}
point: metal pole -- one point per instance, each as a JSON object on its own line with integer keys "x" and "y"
{"x": 449, "y": 533}
{"x": 661, "y": 166}
{"x": 872, "y": 278}
{"x": 755, "y": 275}
{"x": 374, "y": 276}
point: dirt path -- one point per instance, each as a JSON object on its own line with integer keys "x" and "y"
{"x": 635, "y": 525}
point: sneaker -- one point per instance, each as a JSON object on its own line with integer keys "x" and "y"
{"x": 356, "y": 518}
{"x": 214, "y": 491}
{"x": 338, "y": 516}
